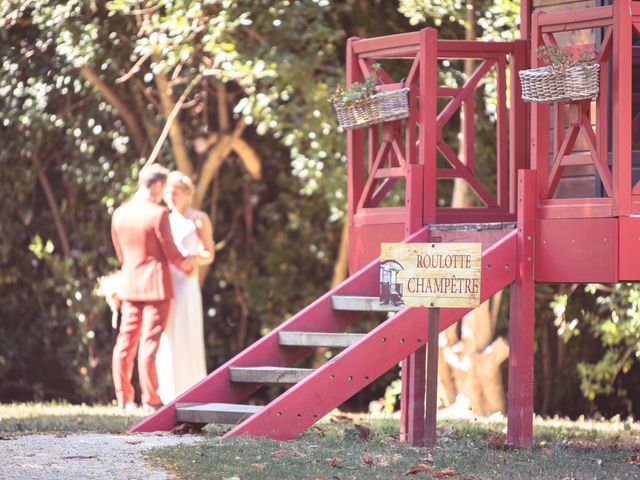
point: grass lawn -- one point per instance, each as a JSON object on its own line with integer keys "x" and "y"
{"x": 335, "y": 449}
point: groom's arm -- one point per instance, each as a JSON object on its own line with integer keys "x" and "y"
{"x": 163, "y": 232}
{"x": 171, "y": 252}
{"x": 114, "y": 239}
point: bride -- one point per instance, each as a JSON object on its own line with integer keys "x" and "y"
{"x": 180, "y": 361}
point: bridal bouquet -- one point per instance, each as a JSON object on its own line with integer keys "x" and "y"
{"x": 107, "y": 287}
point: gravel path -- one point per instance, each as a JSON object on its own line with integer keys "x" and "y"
{"x": 80, "y": 456}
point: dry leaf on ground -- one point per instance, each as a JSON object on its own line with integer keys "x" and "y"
{"x": 420, "y": 467}
{"x": 367, "y": 459}
{"x": 363, "y": 432}
{"x": 445, "y": 472}
{"x": 335, "y": 461}
{"x": 340, "y": 418}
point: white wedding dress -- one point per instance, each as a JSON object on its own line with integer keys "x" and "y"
{"x": 180, "y": 361}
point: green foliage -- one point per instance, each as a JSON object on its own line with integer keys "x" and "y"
{"x": 616, "y": 325}
{"x": 358, "y": 91}
{"x": 559, "y": 60}
{"x": 68, "y": 158}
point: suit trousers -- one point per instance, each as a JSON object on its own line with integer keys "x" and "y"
{"x": 140, "y": 330}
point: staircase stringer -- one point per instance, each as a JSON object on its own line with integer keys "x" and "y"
{"x": 317, "y": 317}
{"x": 363, "y": 362}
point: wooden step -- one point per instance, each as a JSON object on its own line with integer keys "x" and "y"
{"x": 318, "y": 339}
{"x": 268, "y": 374}
{"x": 360, "y": 304}
{"x": 225, "y": 413}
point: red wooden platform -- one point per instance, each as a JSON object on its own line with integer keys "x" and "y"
{"x": 394, "y": 194}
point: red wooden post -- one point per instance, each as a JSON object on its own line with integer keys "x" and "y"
{"x": 413, "y": 369}
{"x": 525, "y": 19}
{"x": 621, "y": 94}
{"x": 432, "y": 378}
{"x": 518, "y": 123}
{"x": 539, "y": 121}
{"x": 355, "y": 155}
{"x": 427, "y": 116}
{"x": 522, "y": 319}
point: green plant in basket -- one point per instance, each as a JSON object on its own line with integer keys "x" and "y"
{"x": 559, "y": 61}
{"x": 358, "y": 91}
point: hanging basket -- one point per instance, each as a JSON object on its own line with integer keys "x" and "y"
{"x": 381, "y": 107}
{"x": 545, "y": 85}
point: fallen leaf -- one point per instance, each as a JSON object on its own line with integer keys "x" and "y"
{"x": 367, "y": 459}
{"x": 363, "y": 432}
{"x": 335, "y": 461}
{"x": 634, "y": 460}
{"x": 296, "y": 453}
{"x": 259, "y": 465}
{"x": 445, "y": 472}
{"x": 185, "y": 428}
{"x": 340, "y": 418}
{"x": 7, "y": 437}
{"x": 279, "y": 452}
{"x": 134, "y": 442}
{"x": 496, "y": 440}
{"x": 420, "y": 467}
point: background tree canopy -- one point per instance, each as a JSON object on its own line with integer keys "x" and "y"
{"x": 87, "y": 92}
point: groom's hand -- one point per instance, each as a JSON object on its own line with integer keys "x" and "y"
{"x": 188, "y": 265}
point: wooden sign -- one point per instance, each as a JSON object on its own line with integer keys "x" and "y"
{"x": 430, "y": 274}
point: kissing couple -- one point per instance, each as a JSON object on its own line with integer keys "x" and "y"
{"x": 158, "y": 290}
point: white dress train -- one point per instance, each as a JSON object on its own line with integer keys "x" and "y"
{"x": 180, "y": 361}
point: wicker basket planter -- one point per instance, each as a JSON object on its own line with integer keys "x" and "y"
{"x": 381, "y": 107}
{"x": 546, "y": 85}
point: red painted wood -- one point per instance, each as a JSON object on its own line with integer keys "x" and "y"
{"x": 412, "y": 400}
{"x": 519, "y": 143}
{"x": 578, "y": 19}
{"x": 355, "y": 152}
{"x": 352, "y": 369}
{"x": 577, "y": 250}
{"x": 539, "y": 118}
{"x": 428, "y": 438}
{"x": 629, "y": 241}
{"x": 427, "y": 115}
{"x": 502, "y": 137}
{"x": 386, "y": 43}
{"x": 412, "y": 417}
{"x": 469, "y": 132}
{"x": 621, "y": 91}
{"x": 525, "y": 19}
{"x": 575, "y": 208}
{"x": 522, "y": 318}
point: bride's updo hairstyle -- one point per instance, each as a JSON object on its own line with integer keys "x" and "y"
{"x": 179, "y": 180}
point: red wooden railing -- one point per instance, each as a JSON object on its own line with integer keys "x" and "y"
{"x": 619, "y": 195}
{"x": 379, "y": 157}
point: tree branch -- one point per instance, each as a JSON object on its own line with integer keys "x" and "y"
{"x": 53, "y": 205}
{"x": 214, "y": 161}
{"x": 172, "y": 127}
{"x": 128, "y": 117}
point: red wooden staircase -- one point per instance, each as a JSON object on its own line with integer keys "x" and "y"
{"x": 218, "y": 398}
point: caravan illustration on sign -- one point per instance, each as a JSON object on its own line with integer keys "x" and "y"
{"x": 390, "y": 288}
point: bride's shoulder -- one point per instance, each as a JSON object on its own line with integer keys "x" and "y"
{"x": 200, "y": 218}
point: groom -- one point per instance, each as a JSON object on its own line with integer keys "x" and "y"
{"x": 142, "y": 239}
